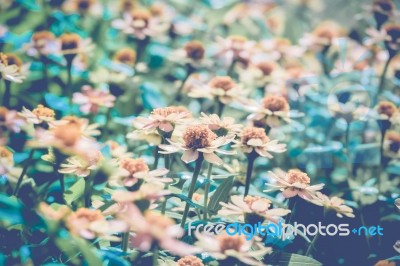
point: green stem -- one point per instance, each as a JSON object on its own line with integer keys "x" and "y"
{"x": 125, "y": 241}
{"x": 7, "y": 94}
{"x": 178, "y": 96}
{"x": 45, "y": 75}
{"x": 382, "y": 157}
{"x": 24, "y": 170}
{"x": 69, "y": 81}
{"x": 206, "y": 190}
{"x": 383, "y": 76}
{"x": 156, "y": 157}
{"x": 192, "y": 187}
{"x": 251, "y": 158}
{"x": 231, "y": 67}
{"x": 315, "y": 239}
{"x": 155, "y": 256}
{"x": 88, "y": 191}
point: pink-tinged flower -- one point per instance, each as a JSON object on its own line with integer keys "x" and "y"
{"x": 42, "y": 43}
{"x": 10, "y": 120}
{"x": 375, "y": 36}
{"x": 234, "y": 48}
{"x": 11, "y": 68}
{"x": 294, "y": 183}
{"x": 148, "y": 191}
{"x": 87, "y": 130}
{"x": 134, "y": 170}
{"x": 192, "y": 54}
{"x": 223, "y": 246}
{"x": 253, "y": 139}
{"x": 190, "y": 261}
{"x": 248, "y": 9}
{"x": 90, "y": 224}
{"x": 222, "y": 88}
{"x": 67, "y": 139}
{"x": 152, "y": 228}
{"x": 241, "y": 207}
{"x": 140, "y": 23}
{"x": 385, "y": 110}
{"x": 222, "y": 127}
{"x": 164, "y": 119}
{"x": 151, "y": 136}
{"x": 90, "y": 99}
{"x": 324, "y": 35}
{"x": 118, "y": 151}
{"x": 334, "y": 203}
{"x": 38, "y": 115}
{"x": 273, "y": 110}
{"x": 6, "y": 160}
{"x": 198, "y": 139}
{"x": 279, "y": 48}
{"x": 53, "y": 214}
{"x": 82, "y": 167}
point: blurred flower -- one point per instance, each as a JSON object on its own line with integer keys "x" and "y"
{"x": 53, "y": 214}
{"x": 87, "y": 130}
{"x": 234, "y": 48}
{"x": 323, "y": 36}
{"x": 90, "y": 99}
{"x": 164, "y": 119}
{"x": 139, "y": 23}
{"x": 90, "y": 224}
{"x": 152, "y": 228}
{"x": 253, "y": 139}
{"x": 192, "y": 55}
{"x": 392, "y": 44}
{"x": 6, "y": 160}
{"x": 125, "y": 56}
{"x": 248, "y": 9}
{"x": 71, "y": 44}
{"x": 118, "y": 151}
{"x": 222, "y": 89}
{"x": 10, "y": 120}
{"x": 223, "y": 246}
{"x": 11, "y": 68}
{"x": 190, "y": 261}
{"x": 42, "y": 43}
{"x": 251, "y": 206}
{"x": 386, "y": 110}
{"x": 385, "y": 263}
{"x": 294, "y": 183}
{"x": 335, "y": 203}
{"x": 38, "y": 115}
{"x": 148, "y": 191}
{"x": 222, "y": 127}
{"x": 198, "y": 139}
{"x": 382, "y": 11}
{"x": 82, "y": 167}
{"x": 149, "y": 135}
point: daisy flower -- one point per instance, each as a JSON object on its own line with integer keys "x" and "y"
{"x": 251, "y": 206}
{"x": 87, "y": 130}
{"x": 192, "y": 54}
{"x": 334, "y": 203}
{"x": 10, "y": 120}
{"x": 222, "y": 127}
{"x": 125, "y": 56}
{"x": 42, "y": 43}
{"x": 196, "y": 140}
{"x": 190, "y": 261}
{"x": 323, "y": 36}
{"x": 71, "y": 45}
{"x": 118, "y": 151}
{"x": 151, "y": 136}
{"x": 82, "y": 167}
{"x": 392, "y": 44}
{"x": 90, "y": 99}
{"x": 294, "y": 183}
{"x": 234, "y": 48}
{"x": 223, "y": 247}
{"x": 222, "y": 89}
{"x": 255, "y": 140}
{"x": 164, "y": 119}
{"x": 151, "y": 229}
{"x": 40, "y": 114}
{"x": 11, "y": 68}
{"x": 148, "y": 191}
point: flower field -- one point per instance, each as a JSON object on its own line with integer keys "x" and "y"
{"x": 192, "y": 133}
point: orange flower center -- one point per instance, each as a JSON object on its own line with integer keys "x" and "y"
{"x": 190, "y": 261}
{"x": 249, "y": 200}
{"x": 249, "y": 133}
{"x": 70, "y": 41}
{"x": 3, "y": 113}
{"x": 134, "y": 165}
{"x": 275, "y": 103}
{"x": 387, "y": 108}
{"x": 226, "y": 83}
{"x": 41, "y": 111}
{"x": 265, "y": 67}
{"x": 297, "y": 176}
{"x": 126, "y": 56}
{"x": 194, "y": 50}
{"x": 197, "y": 137}
{"x": 231, "y": 242}
{"x": 67, "y": 134}
{"x": 6, "y": 154}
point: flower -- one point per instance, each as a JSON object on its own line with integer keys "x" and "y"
{"x": 139, "y": 23}
{"x": 43, "y": 43}
{"x": 10, "y": 120}
{"x": 40, "y": 114}
{"x": 125, "y": 56}
{"x": 196, "y": 140}
{"x": 386, "y": 110}
{"x": 223, "y": 246}
{"x": 234, "y": 48}
{"x": 81, "y": 167}
{"x": 152, "y": 228}
{"x": 164, "y": 119}
{"x": 6, "y": 160}
{"x": 190, "y": 261}
{"x": 385, "y": 263}
{"x": 392, "y": 44}
{"x": 222, "y": 127}
{"x": 137, "y": 169}
{"x": 52, "y": 214}
{"x": 192, "y": 55}
{"x": 10, "y": 68}
{"x": 254, "y": 139}
{"x": 87, "y": 130}
{"x": 323, "y": 36}
{"x": 149, "y": 135}
{"x": 335, "y": 203}
{"x": 222, "y": 89}
{"x": 90, "y": 99}
{"x": 147, "y": 191}
{"x": 118, "y": 151}
{"x": 71, "y": 44}
{"x": 294, "y": 183}
{"x": 90, "y": 224}
{"x": 249, "y": 206}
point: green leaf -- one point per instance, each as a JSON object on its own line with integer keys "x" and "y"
{"x": 88, "y": 252}
{"x": 288, "y": 259}
{"x": 10, "y": 211}
{"x": 221, "y": 194}
{"x": 186, "y": 199}
{"x": 75, "y": 191}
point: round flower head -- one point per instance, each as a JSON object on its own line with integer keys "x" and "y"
{"x": 222, "y": 127}
{"x": 198, "y": 139}
{"x": 323, "y": 36}
{"x": 294, "y": 183}
{"x": 222, "y": 88}
{"x": 194, "y": 50}
{"x": 90, "y": 99}
{"x": 235, "y": 48}
{"x": 334, "y": 203}
{"x": 71, "y": 44}
{"x": 10, "y": 68}
{"x": 386, "y": 109}
{"x": 125, "y": 56}
{"x": 82, "y": 167}
{"x": 38, "y": 115}
{"x": 191, "y": 55}
{"x": 255, "y": 140}
{"x": 190, "y": 261}
{"x": 42, "y": 43}
{"x": 393, "y": 42}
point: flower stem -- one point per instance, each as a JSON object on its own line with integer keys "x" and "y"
{"x": 156, "y": 157}
{"x": 88, "y": 191}
{"x": 178, "y": 96}
{"x": 155, "y": 256}
{"x": 7, "y": 94}
{"x": 24, "y": 170}
{"x": 382, "y": 157}
{"x": 192, "y": 187}
{"x": 125, "y": 241}
{"x": 315, "y": 239}
{"x": 383, "y": 76}
{"x": 206, "y": 189}
{"x": 251, "y": 158}
{"x": 69, "y": 81}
